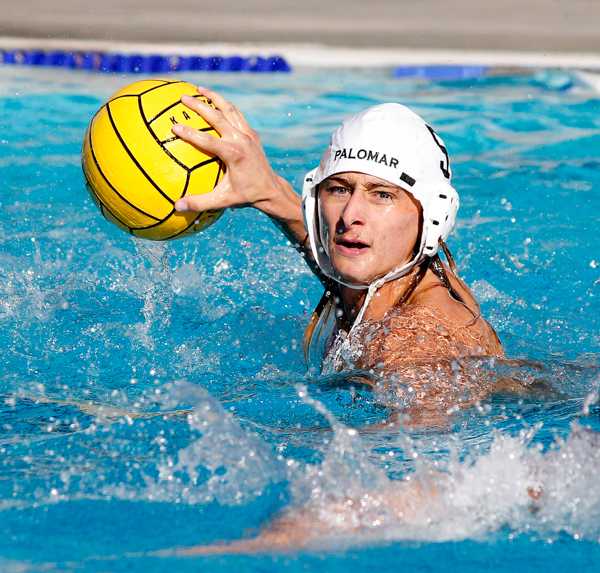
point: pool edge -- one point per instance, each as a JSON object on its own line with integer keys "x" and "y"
{"x": 325, "y": 56}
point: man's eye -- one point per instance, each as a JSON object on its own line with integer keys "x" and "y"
{"x": 384, "y": 195}
{"x": 337, "y": 190}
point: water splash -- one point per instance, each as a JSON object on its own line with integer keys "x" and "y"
{"x": 154, "y": 285}
{"x": 35, "y": 287}
{"x": 199, "y": 453}
{"x": 514, "y": 483}
{"x": 224, "y": 462}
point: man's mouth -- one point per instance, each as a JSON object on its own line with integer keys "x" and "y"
{"x": 351, "y": 246}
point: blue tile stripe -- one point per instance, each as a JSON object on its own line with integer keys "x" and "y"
{"x": 441, "y": 72}
{"x": 107, "y": 62}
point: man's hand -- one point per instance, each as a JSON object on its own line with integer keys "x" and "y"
{"x": 249, "y": 179}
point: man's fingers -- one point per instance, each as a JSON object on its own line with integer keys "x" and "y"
{"x": 230, "y": 111}
{"x": 202, "y": 141}
{"x": 217, "y": 99}
{"x": 213, "y": 116}
{"x": 198, "y": 203}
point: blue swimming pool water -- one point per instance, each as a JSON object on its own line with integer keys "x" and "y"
{"x": 155, "y": 395}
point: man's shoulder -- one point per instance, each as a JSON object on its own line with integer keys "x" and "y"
{"x": 412, "y": 333}
{"x": 443, "y": 307}
{"x": 442, "y": 330}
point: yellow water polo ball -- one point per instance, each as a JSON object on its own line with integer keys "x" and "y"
{"x": 136, "y": 168}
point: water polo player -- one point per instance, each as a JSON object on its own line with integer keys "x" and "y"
{"x": 372, "y": 218}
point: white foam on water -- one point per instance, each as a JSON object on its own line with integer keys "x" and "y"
{"x": 590, "y": 78}
{"x": 513, "y": 484}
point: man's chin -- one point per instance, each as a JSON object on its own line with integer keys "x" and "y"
{"x": 353, "y": 278}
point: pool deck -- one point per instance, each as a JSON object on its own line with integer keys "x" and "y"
{"x": 534, "y": 29}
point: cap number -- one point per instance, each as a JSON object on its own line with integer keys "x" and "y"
{"x": 444, "y": 165}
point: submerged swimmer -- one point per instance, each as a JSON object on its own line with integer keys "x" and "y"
{"x": 372, "y": 218}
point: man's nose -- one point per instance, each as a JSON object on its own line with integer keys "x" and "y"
{"x": 354, "y": 210}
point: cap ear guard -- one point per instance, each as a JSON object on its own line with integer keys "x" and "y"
{"x": 439, "y": 216}
{"x": 310, "y": 211}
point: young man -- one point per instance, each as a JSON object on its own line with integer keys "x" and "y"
{"x": 372, "y": 218}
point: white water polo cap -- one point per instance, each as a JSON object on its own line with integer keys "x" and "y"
{"x": 391, "y": 142}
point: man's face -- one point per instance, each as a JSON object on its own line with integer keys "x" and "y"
{"x": 370, "y": 225}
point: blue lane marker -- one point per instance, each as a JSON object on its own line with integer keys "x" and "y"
{"x": 441, "y": 72}
{"x": 143, "y": 63}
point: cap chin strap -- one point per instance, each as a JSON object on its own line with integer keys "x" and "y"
{"x": 396, "y": 273}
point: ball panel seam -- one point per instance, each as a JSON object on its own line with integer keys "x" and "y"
{"x": 147, "y": 124}
{"x": 97, "y": 164}
{"x": 104, "y": 209}
{"x": 133, "y": 158}
{"x": 153, "y": 224}
{"x": 170, "y": 106}
{"x": 165, "y": 83}
{"x": 203, "y": 129}
{"x": 203, "y": 163}
{"x": 205, "y": 214}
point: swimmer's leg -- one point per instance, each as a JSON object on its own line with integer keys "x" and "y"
{"x": 298, "y": 529}
{"x": 290, "y": 532}
{"x": 104, "y": 411}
